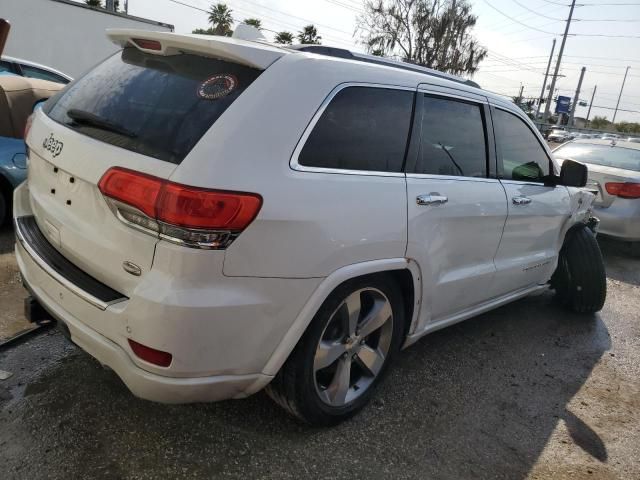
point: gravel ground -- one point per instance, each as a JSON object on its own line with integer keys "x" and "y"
{"x": 526, "y": 391}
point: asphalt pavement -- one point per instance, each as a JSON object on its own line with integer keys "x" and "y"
{"x": 526, "y": 391}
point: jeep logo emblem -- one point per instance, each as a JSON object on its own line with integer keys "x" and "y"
{"x": 53, "y": 145}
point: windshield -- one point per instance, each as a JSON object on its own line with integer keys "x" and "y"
{"x": 607, "y": 155}
{"x": 150, "y": 104}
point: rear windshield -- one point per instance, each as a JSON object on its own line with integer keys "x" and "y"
{"x": 150, "y": 104}
{"x": 609, "y": 156}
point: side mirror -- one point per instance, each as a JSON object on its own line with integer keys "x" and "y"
{"x": 573, "y": 174}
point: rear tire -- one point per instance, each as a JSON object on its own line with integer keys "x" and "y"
{"x": 580, "y": 279}
{"x": 309, "y": 384}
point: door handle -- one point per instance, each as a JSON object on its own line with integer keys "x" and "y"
{"x": 433, "y": 198}
{"x": 521, "y": 200}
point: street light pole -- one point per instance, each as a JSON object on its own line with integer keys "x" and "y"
{"x": 544, "y": 84}
{"x": 591, "y": 103}
{"x": 555, "y": 74}
{"x": 620, "y": 96}
{"x": 576, "y": 98}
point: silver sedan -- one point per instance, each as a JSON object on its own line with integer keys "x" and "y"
{"x": 614, "y": 169}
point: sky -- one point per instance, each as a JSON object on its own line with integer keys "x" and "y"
{"x": 517, "y": 33}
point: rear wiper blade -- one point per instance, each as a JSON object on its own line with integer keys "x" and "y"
{"x": 83, "y": 117}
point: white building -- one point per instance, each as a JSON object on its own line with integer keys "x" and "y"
{"x": 65, "y": 35}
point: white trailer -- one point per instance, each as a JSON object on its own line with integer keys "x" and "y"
{"x": 68, "y": 36}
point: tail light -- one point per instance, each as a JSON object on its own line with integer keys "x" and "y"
{"x": 146, "y": 44}
{"x": 190, "y": 216}
{"x": 623, "y": 190}
{"x": 151, "y": 355}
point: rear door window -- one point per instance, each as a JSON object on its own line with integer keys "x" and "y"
{"x": 452, "y": 138}
{"x": 362, "y": 128}
{"x": 159, "y": 106}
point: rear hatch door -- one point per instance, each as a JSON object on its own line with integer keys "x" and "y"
{"x": 138, "y": 110}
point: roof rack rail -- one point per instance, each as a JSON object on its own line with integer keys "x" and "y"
{"x": 361, "y": 57}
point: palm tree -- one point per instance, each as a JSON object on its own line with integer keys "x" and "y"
{"x": 221, "y": 20}
{"x": 285, "y": 38}
{"x": 93, "y": 3}
{"x": 254, "y": 22}
{"x": 309, "y": 35}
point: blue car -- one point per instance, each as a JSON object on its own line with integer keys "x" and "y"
{"x": 13, "y": 171}
{"x": 19, "y": 96}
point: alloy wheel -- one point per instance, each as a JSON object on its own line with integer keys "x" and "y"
{"x": 353, "y": 347}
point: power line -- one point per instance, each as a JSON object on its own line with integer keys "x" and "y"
{"x": 607, "y": 20}
{"x": 523, "y": 16}
{"x": 538, "y": 14}
{"x": 556, "y": 3}
{"x": 545, "y": 115}
{"x": 306, "y": 20}
{"x": 608, "y": 4}
{"x": 518, "y": 21}
{"x": 272, "y": 19}
{"x": 345, "y": 5}
{"x": 602, "y": 35}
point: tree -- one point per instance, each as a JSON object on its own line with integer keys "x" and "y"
{"x": 254, "y": 22}
{"x": 431, "y": 33}
{"x": 309, "y": 35}
{"x": 94, "y": 3}
{"x": 285, "y": 38}
{"x": 628, "y": 127}
{"x": 599, "y": 123}
{"x": 220, "y": 19}
{"x": 203, "y": 31}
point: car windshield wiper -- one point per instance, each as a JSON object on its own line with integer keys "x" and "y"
{"x": 83, "y": 117}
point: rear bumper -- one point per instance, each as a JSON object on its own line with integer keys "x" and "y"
{"x": 221, "y": 332}
{"x": 621, "y": 220}
{"x": 142, "y": 383}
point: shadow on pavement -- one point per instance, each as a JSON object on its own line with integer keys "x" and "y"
{"x": 7, "y": 239}
{"x": 619, "y": 260}
{"x": 477, "y": 400}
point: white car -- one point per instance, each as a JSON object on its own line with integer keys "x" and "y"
{"x": 25, "y": 68}
{"x": 614, "y": 170}
{"x": 559, "y": 136}
{"x": 211, "y": 216}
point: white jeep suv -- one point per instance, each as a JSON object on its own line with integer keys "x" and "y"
{"x": 210, "y": 216}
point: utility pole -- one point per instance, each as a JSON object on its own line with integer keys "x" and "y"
{"x": 591, "y": 103}
{"x": 576, "y": 98}
{"x": 620, "y": 96}
{"x": 555, "y": 74}
{"x": 544, "y": 84}
{"x": 520, "y": 94}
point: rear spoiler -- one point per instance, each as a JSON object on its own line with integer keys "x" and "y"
{"x": 250, "y": 54}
